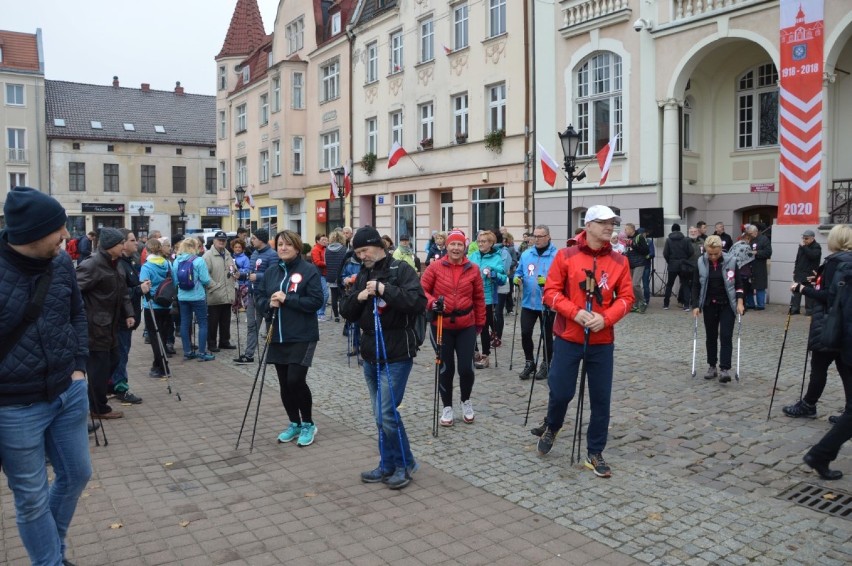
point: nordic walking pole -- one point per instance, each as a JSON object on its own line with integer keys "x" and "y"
{"x": 694, "y": 342}
{"x": 739, "y": 335}
{"x": 380, "y": 339}
{"x": 538, "y": 351}
{"x": 261, "y": 366}
{"x": 439, "y": 342}
{"x": 92, "y": 414}
{"x": 578, "y": 422}
{"x": 515, "y": 326}
{"x": 163, "y": 356}
{"x": 804, "y": 371}
{"x": 780, "y": 356}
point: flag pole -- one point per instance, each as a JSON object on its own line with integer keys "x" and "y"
{"x": 419, "y": 168}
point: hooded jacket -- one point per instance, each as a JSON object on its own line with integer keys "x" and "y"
{"x": 820, "y": 293}
{"x": 534, "y": 263}
{"x": 563, "y": 292}
{"x": 222, "y": 269}
{"x": 155, "y": 269}
{"x": 335, "y": 255}
{"x": 202, "y": 278}
{"x": 493, "y": 263}
{"x": 677, "y": 250}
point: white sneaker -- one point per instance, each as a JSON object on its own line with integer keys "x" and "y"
{"x": 447, "y": 417}
{"x": 467, "y": 412}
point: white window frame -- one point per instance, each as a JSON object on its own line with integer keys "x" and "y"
{"x": 223, "y": 175}
{"x": 241, "y": 165}
{"x": 395, "y": 119}
{"x": 405, "y": 212}
{"x": 17, "y": 180}
{"x": 427, "y": 40}
{"x": 246, "y": 74}
{"x": 460, "y": 114}
{"x": 276, "y": 94}
{"x": 297, "y": 100}
{"x": 688, "y": 124}
{"x": 223, "y": 124}
{"x": 276, "y": 158}
{"x": 267, "y": 217}
{"x": 371, "y": 126}
{"x": 599, "y": 89}
{"x": 426, "y": 113}
{"x": 240, "y": 120}
{"x": 223, "y": 77}
{"x": 12, "y": 97}
{"x": 16, "y": 142}
{"x": 479, "y": 197}
{"x": 330, "y": 150}
{"x": 757, "y": 84}
{"x": 496, "y": 97}
{"x": 264, "y": 166}
{"x": 397, "y": 44}
{"x": 297, "y": 153}
{"x": 335, "y": 23}
{"x": 264, "y": 109}
{"x": 461, "y": 19}
{"x": 295, "y": 34}
{"x": 496, "y": 17}
{"x": 372, "y": 69}
{"x": 330, "y": 81}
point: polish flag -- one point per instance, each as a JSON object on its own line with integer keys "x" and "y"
{"x": 347, "y": 180}
{"x": 447, "y": 50}
{"x": 549, "y": 167}
{"x": 248, "y": 198}
{"x": 605, "y": 158}
{"x": 396, "y": 153}
{"x": 333, "y": 192}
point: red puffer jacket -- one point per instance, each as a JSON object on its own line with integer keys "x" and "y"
{"x": 563, "y": 294}
{"x": 461, "y": 287}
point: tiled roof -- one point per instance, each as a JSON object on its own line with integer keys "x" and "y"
{"x": 20, "y": 51}
{"x": 323, "y": 29}
{"x": 372, "y": 8}
{"x": 258, "y": 63}
{"x": 188, "y": 119}
{"x": 246, "y": 32}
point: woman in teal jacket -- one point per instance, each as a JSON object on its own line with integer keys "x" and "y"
{"x": 155, "y": 269}
{"x": 192, "y": 301}
{"x": 493, "y": 273}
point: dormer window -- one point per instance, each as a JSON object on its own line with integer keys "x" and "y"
{"x": 335, "y": 23}
{"x": 246, "y": 74}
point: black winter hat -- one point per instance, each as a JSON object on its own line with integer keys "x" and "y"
{"x": 110, "y": 237}
{"x": 675, "y": 227}
{"x": 367, "y": 236}
{"x": 262, "y": 234}
{"x": 31, "y": 215}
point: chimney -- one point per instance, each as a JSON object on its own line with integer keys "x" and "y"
{"x": 178, "y": 89}
{"x": 146, "y": 87}
{"x": 115, "y": 81}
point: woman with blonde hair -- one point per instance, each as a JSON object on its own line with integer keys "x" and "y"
{"x": 191, "y": 277}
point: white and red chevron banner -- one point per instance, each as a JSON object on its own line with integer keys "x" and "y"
{"x": 800, "y": 105}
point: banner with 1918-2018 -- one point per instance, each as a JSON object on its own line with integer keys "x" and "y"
{"x": 800, "y": 124}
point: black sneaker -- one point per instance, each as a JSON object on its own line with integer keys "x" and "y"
{"x": 543, "y": 369}
{"x": 156, "y": 373}
{"x": 128, "y": 397}
{"x": 539, "y": 430}
{"x": 800, "y": 409}
{"x": 545, "y": 443}
{"x": 170, "y": 349}
{"x": 598, "y": 465}
{"x": 375, "y": 476}
{"x": 243, "y": 359}
{"x": 529, "y": 371}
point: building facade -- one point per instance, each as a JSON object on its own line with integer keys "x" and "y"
{"x": 22, "y": 112}
{"x": 128, "y": 157}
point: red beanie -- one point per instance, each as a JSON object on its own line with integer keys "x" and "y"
{"x": 455, "y": 236}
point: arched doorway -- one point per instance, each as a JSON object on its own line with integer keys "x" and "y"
{"x": 761, "y": 216}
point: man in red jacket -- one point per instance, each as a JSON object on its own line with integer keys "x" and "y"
{"x": 318, "y": 259}
{"x": 584, "y": 329}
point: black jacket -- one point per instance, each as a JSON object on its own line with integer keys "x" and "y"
{"x": 39, "y": 367}
{"x": 637, "y": 250}
{"x": 131, "y": 277}
{"x": 398, "y": 305}
{"x": 762, "y": 252}
{"x": 807, "y": 261}
{"x": 677, "y": 249}
{"x": 727, "y": 241}
{"x": 825, "y": 275}
{"x": 106, "y": 298}
{"x": 297, "y": 317}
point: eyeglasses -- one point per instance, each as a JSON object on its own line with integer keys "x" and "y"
{"x": 606, "y": 222}
{"x": 540, "y": 236}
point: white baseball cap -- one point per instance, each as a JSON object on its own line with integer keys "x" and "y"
{"x": 601, "y": 212}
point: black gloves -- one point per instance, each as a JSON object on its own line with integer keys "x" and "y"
{"x": 438, "y": 306}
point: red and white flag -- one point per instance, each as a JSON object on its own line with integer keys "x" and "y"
{"x": 605, "y": 158}
{"x": 396, "y": 153}
{"x": 447, "y": 50}
{"x": 248, "y": 198}
{"x": 347, "y": 180}
{"x": 549, "y": 167}
{"x": 333, "y": 192}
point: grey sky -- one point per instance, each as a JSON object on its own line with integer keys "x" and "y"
{"x": 156, "y": 41}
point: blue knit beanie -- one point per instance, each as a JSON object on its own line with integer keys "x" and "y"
{"x": 31, "y": 215}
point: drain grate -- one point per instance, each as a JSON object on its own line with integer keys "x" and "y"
{"x": 825, "y": 500}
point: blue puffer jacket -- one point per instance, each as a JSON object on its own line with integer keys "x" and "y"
{"x": 530, "y": 266}
{"x": 39, "y": 367}
{"x": 202, "y": 278}
{"x": 155, "y": 269}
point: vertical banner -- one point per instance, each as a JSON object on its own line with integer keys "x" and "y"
{"x": 800, "y": 124}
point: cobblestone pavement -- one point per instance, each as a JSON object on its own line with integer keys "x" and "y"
{"x": 697, "y": 467}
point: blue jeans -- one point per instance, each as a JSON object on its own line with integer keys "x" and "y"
{"x": 187, "y": 308}
{"x": 325, "y": 293}
{"x": 390, "y": 430}
{"x": 562, "y": 380}
{"x": 28, "y": 435}
{"x": 119, "y": 376}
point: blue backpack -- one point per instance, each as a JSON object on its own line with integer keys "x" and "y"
{"x": 186, "y": 275}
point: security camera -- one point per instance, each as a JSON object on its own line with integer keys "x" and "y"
{"x": 641, "y": 24}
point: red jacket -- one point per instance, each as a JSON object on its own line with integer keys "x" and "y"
{"x": 318, "y": 258}
{"x": 461, "y": 287}
{"x": 563, "y": 294}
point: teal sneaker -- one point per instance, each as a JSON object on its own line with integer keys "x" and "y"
{"x": 307, "y": 434}
{"x": 290, "y": 433}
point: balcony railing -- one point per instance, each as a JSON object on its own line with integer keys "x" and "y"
{"x": 17, "y": 155}
{"x": 688, "y": 9}
{"x": 576, "y": 12}
{"x": 840, "y": 202}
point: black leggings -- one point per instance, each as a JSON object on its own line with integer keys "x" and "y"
{"x": 335, "y": 300}
{"x": 529, "y": 318}
{"x": 457, "y": 345}
{"x": 820, "y": 362}
{"x": 295, "y": 393}
{"x": 163, "y": 320}
{"x": 499, "y": 314}
{"x": 719, "y": 322}
{"x": 487, "y": 330}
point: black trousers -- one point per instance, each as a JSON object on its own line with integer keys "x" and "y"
{"x": 99, "y": 368}
{"x": 218, "y": 325}
{"x": 488, "y": 330}
{"x": 829, "y": 445}
{"x": 295, "y": 393}
{"x": 163, "y": 319}
{"x": 529, "y": 318}
{"x": 457, "y": 346}
{"x": 820, "y": 362}
{"x": 719, "y": 326}
{"x": 670, "y": 285}
{"x": 335, "y": 300}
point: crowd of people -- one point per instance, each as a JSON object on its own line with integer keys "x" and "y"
{"x": 83, "y": 318}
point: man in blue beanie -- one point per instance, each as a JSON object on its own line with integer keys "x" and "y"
{"x": 43, "y": 393}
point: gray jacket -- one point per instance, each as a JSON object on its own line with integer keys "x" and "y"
{"x": 729, "y": 263}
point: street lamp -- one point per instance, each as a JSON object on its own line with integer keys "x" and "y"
{"x": 142, "y": 228}
{"x": 240, "y": 191}
{"x": 340, "y": 179}
{"x": 182, "y": 217}
{"x": 570, "y": 143}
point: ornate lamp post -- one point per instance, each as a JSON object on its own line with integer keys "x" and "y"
{"x": 142, "y": 228}
{"x": 570, "y": 143}
{"x": 182, "y": 217}
{"x": 340, "y": 179}
{"x": 240, "y": 191}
